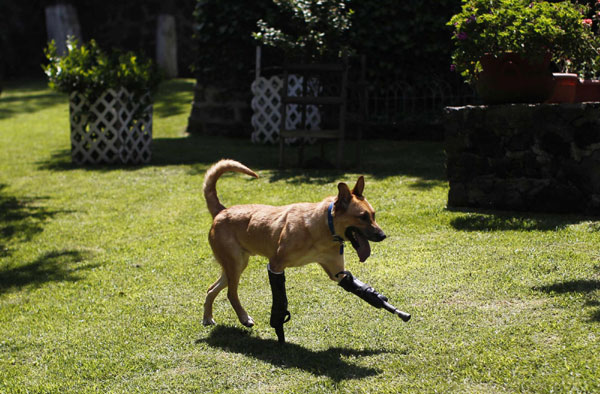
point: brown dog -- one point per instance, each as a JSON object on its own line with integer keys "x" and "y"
{"x": 289, "y": 236}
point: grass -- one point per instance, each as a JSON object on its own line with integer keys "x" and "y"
{"x": 103, "y": 273}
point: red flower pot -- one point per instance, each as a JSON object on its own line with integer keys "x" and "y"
{"x": 511, "y": 79}
{"x": 565, "y": 88}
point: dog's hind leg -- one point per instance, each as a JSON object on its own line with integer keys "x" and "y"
{"x": 234, "y": 273}
{"x": 234, "y": 261}
{"x": 211, "y": 294}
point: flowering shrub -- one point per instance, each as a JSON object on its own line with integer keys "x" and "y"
{"x": 531, "y": 29}
{"x": 308, "y": 29}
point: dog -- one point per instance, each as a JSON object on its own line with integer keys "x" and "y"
{"x": 288, "y": 236}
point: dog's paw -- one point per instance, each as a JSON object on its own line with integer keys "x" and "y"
{"x": 248, "y": 323}
{"x": 208, "y": 322}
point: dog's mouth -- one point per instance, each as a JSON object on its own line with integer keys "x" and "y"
{"x": 359, "y": 242}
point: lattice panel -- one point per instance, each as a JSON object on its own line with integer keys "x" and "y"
{"x": 113, "y": 129}
{"x": 266, "y": 105}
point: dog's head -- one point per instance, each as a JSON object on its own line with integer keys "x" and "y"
{"x": 355, "y": 219}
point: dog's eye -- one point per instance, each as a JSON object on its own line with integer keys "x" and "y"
{"x": 366, "y": 217}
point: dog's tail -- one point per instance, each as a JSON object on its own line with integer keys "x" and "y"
{"x": 210, "y": 182}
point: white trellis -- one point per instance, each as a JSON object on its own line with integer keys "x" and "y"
{"x": 112, "y": 129}
{"x": 266, "y": 105}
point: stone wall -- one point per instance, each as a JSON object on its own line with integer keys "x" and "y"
{"x": 220, "y": 111}
{"x": 524, "y": 157}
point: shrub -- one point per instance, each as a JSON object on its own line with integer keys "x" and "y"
{"x": 225, "y": 49}
{"x": 89, "y": 70}
{"x": 401, "y": 38}
{"x": 307, "y": 29}
{"x": 397, "y": 37}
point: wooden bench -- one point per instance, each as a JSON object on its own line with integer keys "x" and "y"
{"x": 324, "y": 85}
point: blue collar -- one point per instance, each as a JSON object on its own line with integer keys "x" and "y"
{"x": 336, "y": 237}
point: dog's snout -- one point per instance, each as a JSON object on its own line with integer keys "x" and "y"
{"x": 379, "y": 236}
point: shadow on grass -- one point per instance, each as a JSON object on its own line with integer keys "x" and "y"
{"x": 381, "y": 159}
{"x": 173, "y": 98}
{"x": 21, "y": 218}
{"x": 320, "y": 363}
{"x": 49, "y": 267}
{"x": 585, "y": 286}
{"x": 511, "y": 221}
{"x": 423, "y": 160}
{"x": 28, "y": 97}
{"x": 194, "y": 151}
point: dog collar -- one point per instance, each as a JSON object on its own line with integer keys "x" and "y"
{"x": 336, "y": 237}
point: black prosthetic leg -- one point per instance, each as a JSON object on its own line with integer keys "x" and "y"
{"x": 367, "y": 293}
{"x": 279, "y": 312}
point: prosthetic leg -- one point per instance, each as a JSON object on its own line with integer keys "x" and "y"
{"x": 367, "y": 293}
{"x": 279, "y": 312}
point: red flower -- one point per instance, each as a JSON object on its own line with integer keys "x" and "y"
{"x": 587, "y": 22}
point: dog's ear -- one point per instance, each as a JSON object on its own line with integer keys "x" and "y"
{"x": 344, "y": 197}
{"x": 359, "y": 187}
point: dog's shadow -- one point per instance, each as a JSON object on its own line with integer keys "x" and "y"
{"x": 320, "y": 363}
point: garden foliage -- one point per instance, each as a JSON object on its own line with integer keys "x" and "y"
{"x": 127, "y": 25}
{"x": 307, "y": 29}
{"x": 89, "y": 70}
{"x": 530, "y": 29}
{"x": 404, "y": 39}
{"x": 225, "y": 49}
{"x": 397, "y": 37}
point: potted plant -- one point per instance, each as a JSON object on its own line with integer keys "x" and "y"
{"x": 588, "y": 87}
{"x": 575, "y": 82}
{"x": 516, "y": 41}
{"x": 110, "y": 102}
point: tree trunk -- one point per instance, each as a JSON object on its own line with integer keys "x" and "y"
{"x": 61, "y": 22}
{"x": 166, "y": 45}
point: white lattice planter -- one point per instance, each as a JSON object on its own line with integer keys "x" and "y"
{"x": 113, "y": 129}
{"x": 266, "y": 107}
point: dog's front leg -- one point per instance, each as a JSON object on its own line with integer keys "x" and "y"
{"x": 279, "y": 312}
{"x": 349, "y": 283}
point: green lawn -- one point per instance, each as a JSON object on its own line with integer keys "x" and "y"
{"x": 103, "y": 273}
